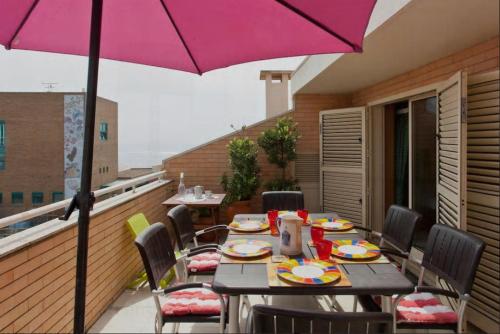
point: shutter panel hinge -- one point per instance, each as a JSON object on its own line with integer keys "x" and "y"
{"x": 463, "y": 109}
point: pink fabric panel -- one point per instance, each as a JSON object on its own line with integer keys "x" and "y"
{"x": 348, "y": 18}
{"x": 229, "y": 32}
{"x": 12, "y": 13}
{"x": 192, "y": 301}
{"x": 425, "y": 308}
{"x": 218, "y": 33}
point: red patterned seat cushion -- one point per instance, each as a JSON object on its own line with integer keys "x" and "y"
{"x": 424, "y": 307}
{"x": 195, "y": 301}
{"x": 204, "y": 262}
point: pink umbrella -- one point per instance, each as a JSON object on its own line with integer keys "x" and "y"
{"x": 188, "y": 35}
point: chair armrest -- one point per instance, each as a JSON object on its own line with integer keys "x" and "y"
{"x": 182, "y": 287}
{"x": 201, "y": 251}
{"x": 202, "y": 247}
{"x": 394, "y": 252}
{"x": 211, "y": 229}
{"x": 369, "y": 230}
{"x": 437, "y": 291}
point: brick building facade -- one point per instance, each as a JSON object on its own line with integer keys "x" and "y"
{"x": 34, "y": 161}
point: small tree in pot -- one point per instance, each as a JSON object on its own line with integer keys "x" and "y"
{"x": 244, "y": 180}
{"x": 279, "y": 143}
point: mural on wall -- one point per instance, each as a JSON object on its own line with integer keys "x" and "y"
{"x": 73, "y": 143}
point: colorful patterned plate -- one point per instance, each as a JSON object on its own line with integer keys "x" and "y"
{"x": 249, "y": 226}
{"x": 355, "y": 249}
{"x": 308, "y": 271}
{"x": 333, "y": 225}
{"x": 246, "y": 248}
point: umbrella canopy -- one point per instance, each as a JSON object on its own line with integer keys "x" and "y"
{"x": 188, "y": 35}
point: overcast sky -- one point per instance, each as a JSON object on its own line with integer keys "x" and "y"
{"x": 160, "y": 111}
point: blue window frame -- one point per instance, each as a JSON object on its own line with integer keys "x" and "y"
{"x": 17, "y": 197}
{"x": 37, "y": 197}
{"x": 2, "y": 145}
{"x": 103, "y": 131}
{"x": 57, "y": 196}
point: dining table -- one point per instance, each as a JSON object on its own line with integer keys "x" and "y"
{"x": 251, "y": 278}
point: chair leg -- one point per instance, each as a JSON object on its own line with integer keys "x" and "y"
{"x": 355, "y": 305}
{"x": 245, "y": 303}
{"x": 158, "y": 325}
{"x": 176, "y": 328}
{"x": 266, "y": 299}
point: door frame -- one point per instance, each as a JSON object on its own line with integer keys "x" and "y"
{"x": 377, "y": 106}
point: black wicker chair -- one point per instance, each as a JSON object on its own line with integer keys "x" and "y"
{"x": 282, "y": 200}
{"x": 397, "y": 233}
{"x": 268, "y": 319}
{"x": 158, "y": 256}
{"x": 184, "y": 227}
{"x": 453, "y": 255}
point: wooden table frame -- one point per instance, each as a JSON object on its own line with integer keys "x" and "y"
{"x": 251, "y": 279}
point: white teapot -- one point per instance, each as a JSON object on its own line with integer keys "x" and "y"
{"x": 290, "y": 227}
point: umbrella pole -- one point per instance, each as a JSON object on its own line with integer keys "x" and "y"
{"x": 85, "y": 203}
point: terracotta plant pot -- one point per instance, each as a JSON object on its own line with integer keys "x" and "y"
{"x": 236, "y": 208}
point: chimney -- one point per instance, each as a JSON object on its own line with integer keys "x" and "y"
{"x": 276, "y": 91}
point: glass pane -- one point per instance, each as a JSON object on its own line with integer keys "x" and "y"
{"x": 37, "y": 198}
{"x": 17, "y": 198}
{"x": 424, "y": 165}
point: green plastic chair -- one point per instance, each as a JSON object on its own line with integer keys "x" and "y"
{"x": 136, "y": 224}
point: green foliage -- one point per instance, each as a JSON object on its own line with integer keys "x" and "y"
{"x": 244, "y": 181}
{"x": 280, "y": 184}
{"x": 280, "y": 143}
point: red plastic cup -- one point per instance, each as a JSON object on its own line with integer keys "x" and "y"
{"x": 324, "y": 249}
{"x": 317, "y": 234}
{"x": 303, "y": 214}
{"x": 272, "y": 216}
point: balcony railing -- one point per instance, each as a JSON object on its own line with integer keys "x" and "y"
{"x": 37, "y": 265}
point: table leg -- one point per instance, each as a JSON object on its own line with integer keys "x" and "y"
{"x": 386, "y": 304}
{"x": 234, "y": 314}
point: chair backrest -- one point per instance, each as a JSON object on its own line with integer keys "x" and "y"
{"x": 453, "y": 255}
{"x": 282, "y": 200}
{"x": 137, "y": 223}
{"x": 399, "y": 226}
{"x": 183, "y": 225}
{"x": 269, "y": 319}
{"x": 157, "y": 253}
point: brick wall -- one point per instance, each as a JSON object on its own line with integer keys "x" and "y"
{"x": 35, "y": 147}
{"x": 37, "y": 282}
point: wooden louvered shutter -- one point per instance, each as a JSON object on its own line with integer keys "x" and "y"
{"x": 483, "y": 195}
{"x": 450, "y": 151}
{"x": 342, "y": 163}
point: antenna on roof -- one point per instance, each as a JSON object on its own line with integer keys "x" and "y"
{"x": 49, "y": 85}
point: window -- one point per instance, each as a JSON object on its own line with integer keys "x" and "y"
{"x": 37, "y": 197}
{"x": 17, "y": 198}
{"x": 57, "y": 196}
{"x": 103, "y": 131}
{"x": 2, "y": 145}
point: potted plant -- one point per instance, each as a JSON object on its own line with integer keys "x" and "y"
{"x": 244, "y": 180}
{"x": 279, "y": 143}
